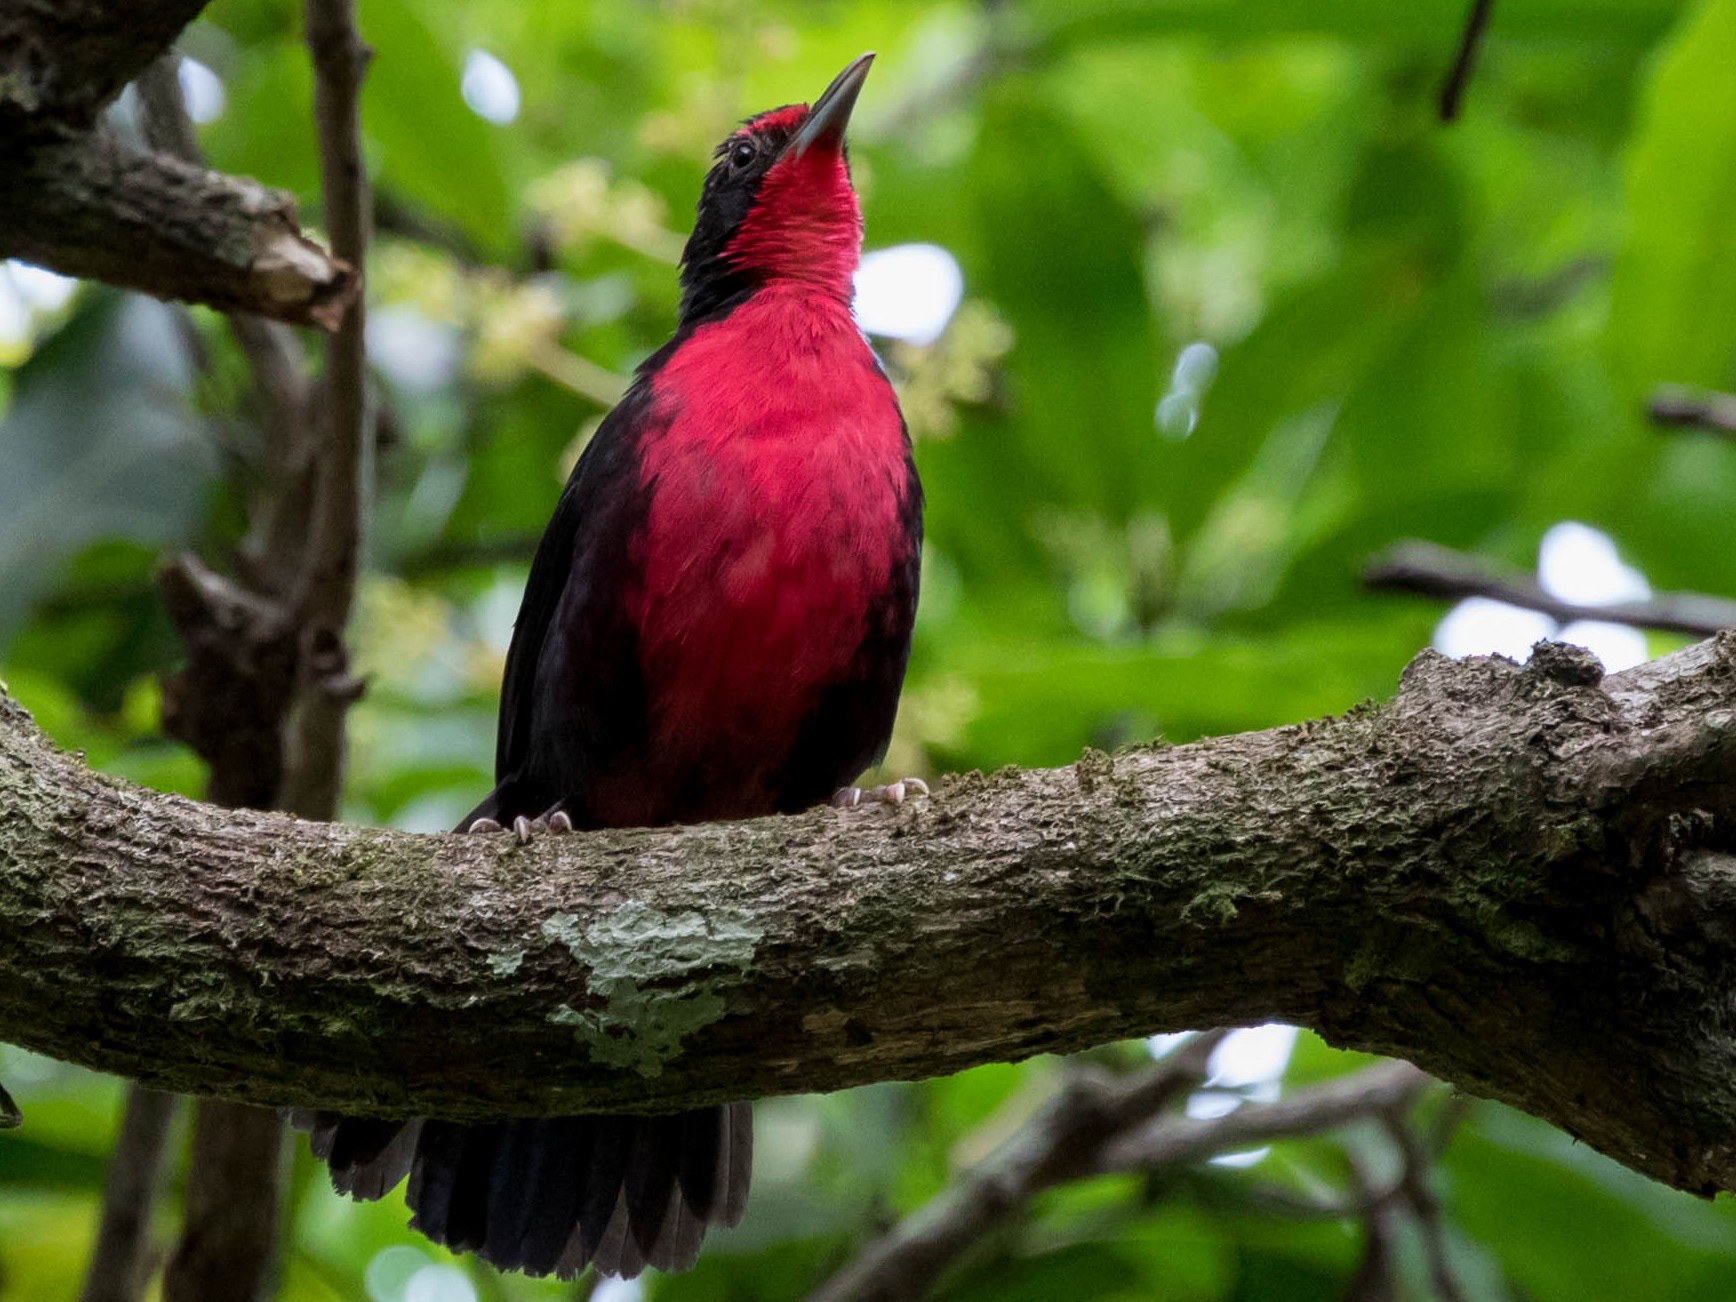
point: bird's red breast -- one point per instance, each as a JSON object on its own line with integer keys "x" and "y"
{"x": 776, "y": 482}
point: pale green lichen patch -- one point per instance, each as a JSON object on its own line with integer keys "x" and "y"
{"x": 656, "y": 974}
{"x": 506, "y": 962}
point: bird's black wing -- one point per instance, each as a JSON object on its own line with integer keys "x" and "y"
{"x": 571, "y": 691}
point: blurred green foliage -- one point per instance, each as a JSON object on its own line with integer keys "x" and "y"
{"x": 1412, "y": 331}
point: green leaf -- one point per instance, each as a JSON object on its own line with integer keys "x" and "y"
{"x": 1673, "y": 305}
{"x": 429, "y": 146}
{"x": 98, "y": 443}
{"x": 1063, "y": 260}
{"x": 1436, "y": 21}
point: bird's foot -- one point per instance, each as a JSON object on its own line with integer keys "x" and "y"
{"x": 893, "y": 793}
{"x": 555, "y": 822}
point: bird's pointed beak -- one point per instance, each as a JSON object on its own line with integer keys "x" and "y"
{"x": 831, "y": 112}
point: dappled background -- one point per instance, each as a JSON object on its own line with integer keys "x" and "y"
{"x": 1194, "y": 308}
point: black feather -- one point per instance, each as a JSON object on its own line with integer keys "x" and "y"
{"x": 701, "y": 1139}
{"x": 433, "y": 1175}
{"x": 384, "y": 1173}
{"x": 611, "y": 1145}
{"x": 677, "y": 1247}
{"x": 509, "y": 1197}
{"x": 738, "y": 1173}
{"x": 359, "y": 1141}
{"x": 467, "y": 1216}
{"x": 651, "y": 1176}
{"x": 552, "y": 1191}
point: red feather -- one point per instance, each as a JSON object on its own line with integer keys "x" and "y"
{"x": 776, "y": 491}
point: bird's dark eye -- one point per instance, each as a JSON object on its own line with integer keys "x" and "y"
{"x": 741, "y": 155}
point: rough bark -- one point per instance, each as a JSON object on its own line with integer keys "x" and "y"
{"x": 62, "y": 61}
{"x": 77, "y": 202}
{"x": 1518, "y": 878}
{"x": 88, "y": 206}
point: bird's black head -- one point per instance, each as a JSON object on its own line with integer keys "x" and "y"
{"x": 778, "y": 205}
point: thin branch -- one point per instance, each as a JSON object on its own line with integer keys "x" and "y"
{"x": 10, "y": 1116}
{"x": 1094, "y": 1127}
{"x": 1425, "y": 1207}
{"x": 281, "y": 496}
{"x": 163, "y": 116}
{"x": 1508, "y": 875}
{"x": 1698, "y": 408}
{"x": 328, "y": 579}
{"x": 1376, "y": 1277}
{"x": 1183, "y": 1141}
{"x": 230, "y": 703}
{"x": 120, "y": 1261}
{"x": 1426, "y": 569}
{"x": 1465, "y": 59}
{"x": 1062, "y": 1142}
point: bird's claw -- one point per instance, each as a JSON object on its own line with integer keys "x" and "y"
{"x": 556, "y": 821}
{"x": 893, "y": 793}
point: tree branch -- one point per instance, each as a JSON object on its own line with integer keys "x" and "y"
{"x": 1464, "y": 59}
{"x": 88, "y": 206}
{"x": 120, "y": 1260}
{"x": 1700, "y": 408}
{"x": 230, "y": 1222}
{"x": 1062, "y": 1142}
{"x": 1511, "y": 876}
{"x": 62, "y": 62}
{"x": 76, "y": 201}
{"x": 327, "y": 584}
{"x": 1096, "y": 1127}
{"x": 1183, "y": 1141}
{"x": 1426, "y": 569}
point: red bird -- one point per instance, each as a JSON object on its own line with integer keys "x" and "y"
{"x": 716, "y": 626}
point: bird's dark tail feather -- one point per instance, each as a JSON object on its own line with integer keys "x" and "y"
{"x": 551, "y": 1196}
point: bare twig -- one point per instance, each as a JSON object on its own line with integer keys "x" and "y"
{"x": 10, "y": 1116}
{"x": 1182, "y": 1141}
{"x": 1465, "y": 60}
{"x": 1062, "y": 1142}
{"x": 281, "y": 470}
{"x": 327, "y": 583}
{"x": 579, "y": 374}
{"x": 1090, "y": 1128}
{"x": 1376, "y": 1277}
{"x": 1428, "y": 570}
{"x": 1700, "y": 408}
{"x": 121, "y": 1260}
{"x": 1425, "y": 1207}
